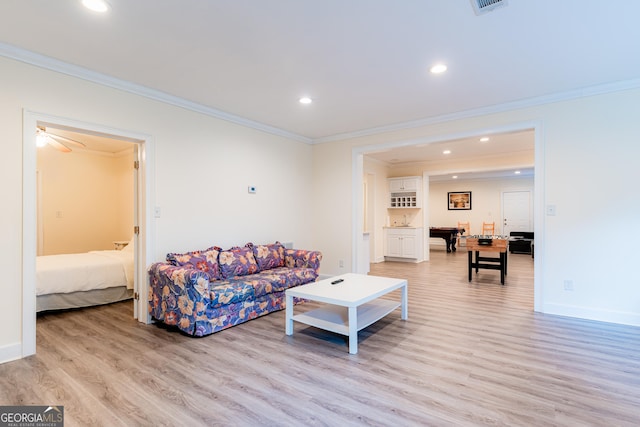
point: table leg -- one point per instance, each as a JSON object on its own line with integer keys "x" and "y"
{"x": 470, "y": 253}
{"x": 448, "y": 241}
{"x": 453, "y": 243}
{"x": 503, "y": 264}
{"x": 477, "y": 261}
{"x": 353, "y": 330}
{"x": 405, "y": 303}
{"x": 289, "y": 315}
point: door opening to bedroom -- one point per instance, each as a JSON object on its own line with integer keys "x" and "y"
{"x": 87, "y": 208}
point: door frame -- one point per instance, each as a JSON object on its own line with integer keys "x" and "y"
{"x": 357, "y": 159}
{"x": 145, "y": 220}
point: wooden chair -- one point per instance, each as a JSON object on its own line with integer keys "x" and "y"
{"x": 488, "y": 228}
{"x": 463, "y": 234}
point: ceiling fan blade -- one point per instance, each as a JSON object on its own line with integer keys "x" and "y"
{"x": 68, "y": 140}
{"x": 58, "y": 145}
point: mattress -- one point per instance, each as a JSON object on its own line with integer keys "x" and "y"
{"x": 84, "y": 272}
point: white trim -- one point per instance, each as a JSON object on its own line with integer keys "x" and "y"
{"x": 539, "y": 220}
{"x": 53, "y": 64}
{"x": 29, "y": 222}
{"x": 10, "y": 352}
{"x": 29, "y": 231}
{"x": 598, "y": 315}
{"x": 357, "y": 211}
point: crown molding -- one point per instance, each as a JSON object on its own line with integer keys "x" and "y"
{"x": 52, "y": 64}
{"x": 492, "y": 109}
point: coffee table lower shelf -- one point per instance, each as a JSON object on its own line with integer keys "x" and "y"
{"x": 336, "y": 318}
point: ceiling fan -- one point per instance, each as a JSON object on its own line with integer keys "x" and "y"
{"x": 57, "y": 141}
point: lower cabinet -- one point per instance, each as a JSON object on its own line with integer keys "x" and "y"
{"x": 404, "y": 242}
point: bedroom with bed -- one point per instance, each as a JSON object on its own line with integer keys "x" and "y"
{"x": 85, "y": 220}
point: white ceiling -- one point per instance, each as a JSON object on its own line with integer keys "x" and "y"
{"x": 502, "y": 156}
{"x": 364, "y": 62}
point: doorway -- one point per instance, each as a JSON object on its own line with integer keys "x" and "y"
{"x": 358, "y": 154}
{"x": 143, "y": 241}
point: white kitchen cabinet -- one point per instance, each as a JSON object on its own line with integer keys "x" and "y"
{"x": 408, "y": 183}
{"x": 405, "y": 192}
{"x": 405, "y": 243}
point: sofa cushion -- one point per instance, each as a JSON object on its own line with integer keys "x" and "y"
{"x": 206, "y": 260}
{"x": 225, "y": 292}
{"x": 268, "y": 256}
{"x": 277, "y": 279}
{"x": 237, "y": 262}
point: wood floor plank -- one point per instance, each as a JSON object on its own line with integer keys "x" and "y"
{"x": 470, "y": 354}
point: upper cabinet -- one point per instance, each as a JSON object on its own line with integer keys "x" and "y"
{"x": 408, "y": 183}
{"x": 405, "y": 192}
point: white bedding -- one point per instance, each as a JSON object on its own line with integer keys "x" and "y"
{"x": 83, "y": 272}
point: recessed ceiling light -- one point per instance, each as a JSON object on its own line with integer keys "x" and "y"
{"x": 484, "y": 139}
{"x": 305, "y": 100}
{"x": 96, "y": 5}
{"x": 446, "y": 152}
{"x": 438, "y": 69}
{"x": 517, "y": 172}
{"x": 455, "y": 177}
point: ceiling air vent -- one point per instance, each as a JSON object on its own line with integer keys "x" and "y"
{"x": 481, "y": 7}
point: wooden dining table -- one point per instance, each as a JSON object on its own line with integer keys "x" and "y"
{"x": 498, "y": 245}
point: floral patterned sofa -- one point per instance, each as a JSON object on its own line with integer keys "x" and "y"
{"x": 203, "y": 292}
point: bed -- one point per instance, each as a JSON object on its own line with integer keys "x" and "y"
{"x": 86, "y": 279}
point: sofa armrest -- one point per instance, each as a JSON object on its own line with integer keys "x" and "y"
{"x": 176, "y": 294}
{"x": 303, "y": 258}
{"x": 179, "y": 279}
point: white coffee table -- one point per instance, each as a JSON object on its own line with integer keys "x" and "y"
{"x": 351, "y": 305}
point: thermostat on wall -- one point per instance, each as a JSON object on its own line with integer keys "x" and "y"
{"x": 252, "y": 189}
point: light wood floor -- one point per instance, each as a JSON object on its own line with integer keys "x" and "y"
{"x": 470, "y": 354}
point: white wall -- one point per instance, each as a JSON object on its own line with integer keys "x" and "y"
{"x": 486, "y": 202}
{"x": 586, "y": 166}
{"x": 87, "y": 200}
{"x": 203, "y": 167}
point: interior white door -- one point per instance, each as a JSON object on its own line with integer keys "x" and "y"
{"x": 136, "y": 224}
{"x": 517, "y": 211}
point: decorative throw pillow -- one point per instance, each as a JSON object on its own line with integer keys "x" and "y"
{"x": 206, "y": 260}
{"x": 268, "y": 256}
{"x": 237, "y": 262}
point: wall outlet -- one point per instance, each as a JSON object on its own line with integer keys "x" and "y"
{"x": 568, "y": 285}
{"x": 341, "y": 264}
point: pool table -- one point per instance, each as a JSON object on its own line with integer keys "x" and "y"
{"x": 449, "y": 234}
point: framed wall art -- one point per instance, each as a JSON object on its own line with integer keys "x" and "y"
{"x": 459, "y": 200}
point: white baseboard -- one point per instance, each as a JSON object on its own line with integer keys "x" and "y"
{"x": 10, "y": 352}
{"x": 588, "y": 313}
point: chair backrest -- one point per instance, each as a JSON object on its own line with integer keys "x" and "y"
{"x": 488, "y": 228}
{"x": 466, "y": 226}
